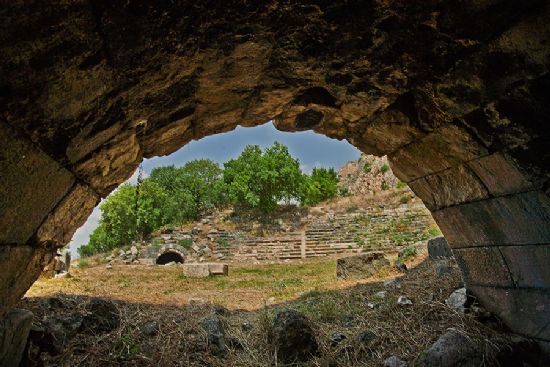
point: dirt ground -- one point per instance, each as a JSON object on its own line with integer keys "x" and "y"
{"x": 255, "y": 294}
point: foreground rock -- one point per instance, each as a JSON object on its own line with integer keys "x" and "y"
{"x": 394, "y": 361}
{"x": 202, "y": 270}
{"x": 458, "y": 300}
{"x": 452, "y": 349}
{"x": 361, "y": 266}
{"x": 215, "y": 335}
{"x": 57, "y": 332}
{"x": 439, "y": 248}
{"x": 292, "y": 337}
{"x": 103, "y": 316}
{"x": 14, "y": 331}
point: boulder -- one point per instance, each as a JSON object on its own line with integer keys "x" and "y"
{"x": 292, "y": 337}
{"x": 57, "y": 332}
{"x": 439, "y": 248}
{"x": 452, "y": 349}
{"x": 394, "y": 361}
{"x": 150, "y": 328}
{"x": 458, "y": 300}
{"x": 364, "y": 338}
{"x": 103, "y": 316}
{"x": 14, "y": 332}
{"x": 215, "y": 335}
{"x": 336, "y": 338}
{"x": 360, "y": 266}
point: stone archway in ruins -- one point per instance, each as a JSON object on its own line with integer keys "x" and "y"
{"x": 455, "y": 93}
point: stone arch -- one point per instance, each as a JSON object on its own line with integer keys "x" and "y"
{"x": 455, "y": 95}
{"x": 168, "y": 256}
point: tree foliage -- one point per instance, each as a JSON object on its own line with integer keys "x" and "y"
{"x": 176, "y": 195}
{"x": 261, "y": 179}
{"x": 321, "y": 185}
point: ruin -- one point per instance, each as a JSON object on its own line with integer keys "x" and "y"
{"x": 455, "y": 93}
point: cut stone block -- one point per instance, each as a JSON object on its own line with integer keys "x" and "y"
{"x": 438, "y": 248}
{"x": 521, "y": 219}
{"x": 360, "y": 266}
{"x": 31, "y": 185}
{"x": 202, "y": 270}
{"x": 483, "y": 266}
{"x": 14, "y": 332}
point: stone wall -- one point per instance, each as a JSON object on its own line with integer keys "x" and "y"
{"x": 367, "y": 229}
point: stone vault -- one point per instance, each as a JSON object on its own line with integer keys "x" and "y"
{"x": 454, "y": 92}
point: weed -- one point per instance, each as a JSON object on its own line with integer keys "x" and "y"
{"x": 400, "y": 185}
{"x": 384, "y": 185}
{"x": 352, "y": 208}
{"x": 186, "y": 243}
{"x": 407, "y": 254}
{"x": 83, "y": 263}
{"x": 126, "y": 347}
{"x": 367, "y": 167}
{"x": 404, "y": 199}
{"x": 384, "y": 168}
{"x": 222, "y": 242}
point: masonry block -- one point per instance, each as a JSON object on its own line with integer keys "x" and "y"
{"x": 453, "y": 186}
{"x": 203, "y": 270}
{"x": 526, "y": 311}
{"x": 529, "y": 265}
{"x": 444, "y": 148}
{"x": 521, "y": 219}
{"x": 500, "y": 174}
{"x": 68, "y": 216}
{"x": 483, "y": 266}
{"x": 14, "y": 332}
{"x": 20, "y": 267}
{"x": 31, "y": 184}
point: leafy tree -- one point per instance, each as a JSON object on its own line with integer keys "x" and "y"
{"x": 321, "y": 185}
{"x": 263, "y": 179}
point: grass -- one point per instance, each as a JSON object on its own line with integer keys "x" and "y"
{"x": 186, "y": 243}
{"x": 330, "y": 304}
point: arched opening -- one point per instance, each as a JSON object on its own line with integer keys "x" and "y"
{"x": 169, "y": 257}
{"x": 422, "y": 84}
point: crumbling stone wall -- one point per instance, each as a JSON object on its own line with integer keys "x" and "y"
{"x": 455, "y": 93}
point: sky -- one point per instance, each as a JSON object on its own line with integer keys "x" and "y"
{"x": 311, "y": 149}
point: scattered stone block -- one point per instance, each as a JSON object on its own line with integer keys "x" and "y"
{"x": 404, "y": 301}
{"x": 450, "y": 350}
{"x": 202, "y": 270}
{"x": 458, "y": 300}
{"x": 14, "y": 331}
{"x": 360, "y": 266}
{"x": 215, "y": 335}
{"x": 394, "y": 361}
{"x": 438, "y": 248}
{"x": 293, "y": 338}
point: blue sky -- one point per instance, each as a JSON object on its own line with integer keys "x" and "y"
{"x": 310, "y": 148}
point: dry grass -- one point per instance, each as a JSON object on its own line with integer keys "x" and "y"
{"x": 162, "y": 294}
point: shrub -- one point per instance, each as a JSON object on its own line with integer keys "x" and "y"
{"x": 222, "y": 242}
{"x": 384, "y": 168}
{"x": 404, "y": 199}
{"x": 186, "y": 243}
{"x": 401, "y": 185}
{"x": 367, "y": 167}
{"x": 83, "y": 263}
{"x": 352, "y": 208}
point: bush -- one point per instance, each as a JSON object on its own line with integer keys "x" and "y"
{"x": 384, "y": 168}
{"x": 186, "y": 243}
{"x": 401, "y": 185}
{"x": 367, "y": 167}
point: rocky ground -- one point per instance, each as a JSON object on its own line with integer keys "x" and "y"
{"x": 385, "y": 320}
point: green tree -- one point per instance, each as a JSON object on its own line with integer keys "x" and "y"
{"x": 321, "y": 185}
{"x": 263, "y": 179}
